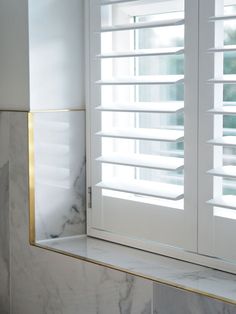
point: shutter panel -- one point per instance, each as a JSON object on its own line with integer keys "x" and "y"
{"x": 139, "y": 101}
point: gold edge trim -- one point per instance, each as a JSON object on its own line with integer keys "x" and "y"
{"x": 154, "y": 279}
{"x": 31, "y": 179}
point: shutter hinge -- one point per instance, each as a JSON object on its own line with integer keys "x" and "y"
{"x": 89, "y": 197}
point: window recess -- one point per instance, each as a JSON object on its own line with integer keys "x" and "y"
{"x": 143, "y": 113}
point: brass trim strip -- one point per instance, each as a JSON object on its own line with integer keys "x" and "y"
{"x": 32, "y": 232}
{"x": 154, "y": 279}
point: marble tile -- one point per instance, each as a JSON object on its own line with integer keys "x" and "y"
{"x": 57, "y": 284}
{"x": 169, "y": 300}
{"x": 44, "y": 282}
{"x": 153, "y": 266}
{"x": 59, "y": 149}
{"x": 4, "y": 215}
{"x": 119, "y": 293}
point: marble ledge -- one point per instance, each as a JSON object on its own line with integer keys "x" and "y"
{"x": 199, "y": 279}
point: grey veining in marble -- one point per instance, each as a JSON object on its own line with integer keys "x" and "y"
{"x": 49, "y": 283}
{"x": 169, "y": 300}
{"x": 119, "y": 293}
{"x": 59, "y": 149}
{"x": 4, "y": 215}
{"x": 159, "y": 268}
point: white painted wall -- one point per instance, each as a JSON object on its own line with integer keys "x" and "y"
{"x": 56, "y": 44}
{"x": 41, "y": 54}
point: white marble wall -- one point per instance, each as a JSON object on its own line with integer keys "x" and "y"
{"x": 169, "y": 300}
{"x": 59, "y": 151}
{"x": 41, "y": 54}
{"x": 44, "y": 282}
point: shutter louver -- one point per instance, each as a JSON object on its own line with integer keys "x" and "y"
{"x": 161, "y": 107}
{"x": 166, "y": 191}
{"x": 145, "y": 161}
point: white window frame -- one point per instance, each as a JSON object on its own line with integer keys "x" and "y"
{"x": 197, "y": 101}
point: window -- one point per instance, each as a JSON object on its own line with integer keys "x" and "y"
{"x": 161, "y": 113}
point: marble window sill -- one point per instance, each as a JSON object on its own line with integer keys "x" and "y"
{"x": 202, "y": 280}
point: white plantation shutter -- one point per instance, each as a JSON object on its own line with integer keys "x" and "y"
{"x": 162, "y": 118}
{"x": 144, "y": 83}
{"x": 217, "y": 206}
